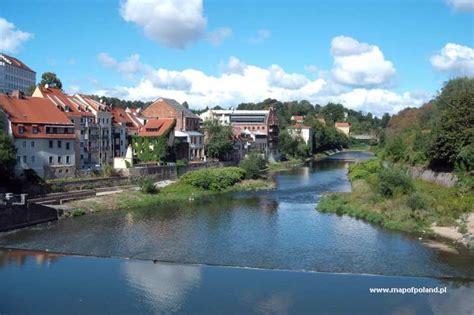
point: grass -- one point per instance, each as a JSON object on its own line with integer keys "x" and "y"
{"x": 414, "y": 211}
{"x": 281, "y": 166}
{"x": 176, "y": 193}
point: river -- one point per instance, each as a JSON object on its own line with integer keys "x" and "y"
{"x": 285, "y": 246}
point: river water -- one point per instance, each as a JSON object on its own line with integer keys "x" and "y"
{"x": 278, "y": 229}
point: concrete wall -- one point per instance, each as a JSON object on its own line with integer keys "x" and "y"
{"x": 18, "y": 216}
{"x": 440, "y": 178}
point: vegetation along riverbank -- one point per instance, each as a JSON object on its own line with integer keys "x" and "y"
{"x": 192, "y": 186}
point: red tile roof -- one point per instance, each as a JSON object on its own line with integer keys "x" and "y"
{"x": 297, "y": 118}
{"x": 15, "y": 62}
{"x": 343, "y": 124}
{"x": 70, "y": 105}
{"x": 156, "y": 127}
{"x": 33, "y": 110}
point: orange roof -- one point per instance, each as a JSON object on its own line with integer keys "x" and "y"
{"x": 343, "y": 124}
{"x": 70, "y": 105}
{"x": 15, "y": 62}
{"x": 156, "y": 127}
{"x": 299, "y": 126}
{"x": 33, "y": 110}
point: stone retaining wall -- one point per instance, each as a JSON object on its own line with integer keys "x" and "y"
{"x": 18, "y": 216}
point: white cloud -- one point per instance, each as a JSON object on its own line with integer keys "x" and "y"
{"x": 260, "y": 36}
{"x": 234, "y": 65}
{"x": 359, "y": 64}
{"x": 311, "y": 68}
{"x": 462, "y": 5}
{"x": 11, "y": 39}
{"x": 105, "y": 60}
{"x": 454, "y": 59}
{"x": 218, "y": 36}
{"x": 240, "y": 82}
{"x": 73, "y": 89}
{"x": 279, "y": 78}
{"x": 172, "y": 23}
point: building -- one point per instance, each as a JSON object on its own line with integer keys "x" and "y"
{"x": 43, "y": 135}
{"x": 303, "y": 132}
{"x": 343, "y": 127}
{"x": 15, "y": 75}
{"x": 187, "y": 124}
{"x": 263, "y": 124}
{"x": 85, "y": 127}
{"x": 104, "y": 123}
{"x": 297, "y": 119}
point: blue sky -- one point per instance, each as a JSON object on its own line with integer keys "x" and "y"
{"x": 371, "y": 55}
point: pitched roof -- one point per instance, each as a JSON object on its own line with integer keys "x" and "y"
{"x": 150, "y": 112}
{"x": 342, "y": 124}
{"x": 70, "y": 105}
{"x": 15, "y": 62}
{"x": 156, "y": 127}
{"x": 297, "y": 117}
{"x": 33, "y": 110}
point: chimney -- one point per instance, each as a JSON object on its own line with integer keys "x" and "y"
{"x": 17, "y": 94}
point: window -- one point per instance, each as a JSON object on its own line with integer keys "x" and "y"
{"x": 68, "y": 146}
{"x": 82, "y": 157}
{"x": 50, "y": 144}
{"x": 24, "y": 158}
{"x": 50, "y": 160}
{"x": 35, "y": 129}
{"x": 33, "y": 159}
{"x": 60, "y": 143}
{"x": 21, "y": 130}
{"x": 68, "y": 159}
{"x": 32, "y": 144}
{"x": 59, "y": 160}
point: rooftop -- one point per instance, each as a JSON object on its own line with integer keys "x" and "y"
{"x": 15, "y": 62}
{"x": 156, "y": 127}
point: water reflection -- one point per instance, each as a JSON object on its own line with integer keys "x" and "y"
{"x": 165, "y": 286}
{"x": 21, "y": 257}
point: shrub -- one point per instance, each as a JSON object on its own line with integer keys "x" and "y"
{"x": 253, "y": 164}
{"x": 363, "y": 170}
{"x": 181, "y": 163}
{"x": 78, "y": 212}
{"x": 109, "y": 170}
{"x": 416, "y": 201}
{"x": 216, "y": 179}
{"x": 393, "y": 181}
{"x": 147, "y": 186}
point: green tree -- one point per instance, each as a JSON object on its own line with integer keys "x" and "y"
{"x": 219, "y": 141}
{"x": 30, "y": 90}
{"x": 7, "y": 156}
{"x": 51, "y": 80}
{"x": 333, "y": 112}
{"x": 454, "y": 128}
{"x": 253, "y": 164}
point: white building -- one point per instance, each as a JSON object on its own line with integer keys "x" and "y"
{"x": 343, "y": 127}
{"x": 15, "y": 75}
{"x": 195, "y": 140}
{"x": 302, "y": 131}
{"x": 43, "y": 135}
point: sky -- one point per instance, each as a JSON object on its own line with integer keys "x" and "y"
{"x": 371, "y": 55}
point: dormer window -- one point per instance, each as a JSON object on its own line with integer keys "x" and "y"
{"x": 21, "y": 129}
{"x": 35, "y": 130}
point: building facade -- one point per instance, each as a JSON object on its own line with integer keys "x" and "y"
{"x": 15, "y": 75}
{"x": 261, "y": 125}
{"x": 303, "y": 132}
{"x": 343, "y": 127}
{"x": 187, "y": 124}
{"x": 43, "y": 135}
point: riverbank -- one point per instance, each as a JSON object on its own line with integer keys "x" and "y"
{"x": 425, "y": 209}
{"x": 175, "y": 192}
